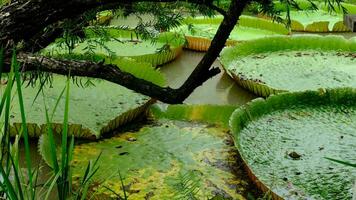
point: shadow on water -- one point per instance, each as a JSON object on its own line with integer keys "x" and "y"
{"x": 220, "y": 89}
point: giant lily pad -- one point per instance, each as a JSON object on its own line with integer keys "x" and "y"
{"x": 95, "y": 109}
{"x": 118, "y": 44}
{"x": 153, "y": 160}
{"x": 284, "y": 142}
{"x": 272, "y": 65}
{"x": 157, "y": 160}
{"x": 200, "y": 31}
{"x": 317, "y": 21}
{"x": 322, "y": 20}
{"x": 213, "y": 114}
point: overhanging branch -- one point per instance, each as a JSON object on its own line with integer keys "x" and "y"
{"x": 110, "y": 73}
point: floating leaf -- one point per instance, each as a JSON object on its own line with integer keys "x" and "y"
{"x": 272, "y": 65}
{"x": 284, "y": 141}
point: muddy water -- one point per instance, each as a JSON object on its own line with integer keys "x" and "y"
{"x": 220, "y": 89}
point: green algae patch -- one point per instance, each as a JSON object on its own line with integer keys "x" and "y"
{"x": 117, "y": 44}
{"x": 155, "y": 160}
{"x": 200, "y": 31}
{"x": 285, "y": 139}
{"x": 274, "y": 65}
{"x": 95, "y": 109}
{"x": 212, "y": 114}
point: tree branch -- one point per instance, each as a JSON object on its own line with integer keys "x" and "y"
{"x": 110, "y": 73}
{"x": 217, "y": 44}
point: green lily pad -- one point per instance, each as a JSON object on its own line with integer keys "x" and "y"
{"x": 153, "y": 160}
{"x": 121, "y": 44}
{"x": 317, "y": 21}
{"x": 199, "y": 31}
{"x": 285, "y": 140}
{"x": 94, "y": 110}
{"x": 307, "y": 19}
{"x": 273, "y": 65}
{"x": 212, "y": 114}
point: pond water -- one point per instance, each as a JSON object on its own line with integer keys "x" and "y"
{"x": 220, "y": 89}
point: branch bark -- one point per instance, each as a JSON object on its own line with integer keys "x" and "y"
{"x": 110, "y": 73}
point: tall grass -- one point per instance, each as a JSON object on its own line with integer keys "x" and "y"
{"x": 16, "y": 183}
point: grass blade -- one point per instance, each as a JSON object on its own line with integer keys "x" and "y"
{"x": 53, "y": 148}
{"x": 1, "y": 61}
{"x": 17, "y": 178}
{"x": 7, "y": 186}
{"x": 342, "y": 162}
{"x": 15, "y": 66}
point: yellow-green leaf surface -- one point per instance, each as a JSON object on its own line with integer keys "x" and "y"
{"x": 285, "y": 139}
{"x": 93, "y": 110}
{"x": 213, "y": 114}
{"x": 153, "y": 160}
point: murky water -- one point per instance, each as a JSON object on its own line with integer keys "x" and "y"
{"x": 220, "y": 89}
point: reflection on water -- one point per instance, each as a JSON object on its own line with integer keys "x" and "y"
{"x": 220, "y": 89}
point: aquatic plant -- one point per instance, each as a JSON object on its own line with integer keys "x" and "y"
{"x": 212, "y": 114}
{"x": 200, "y": 30}
{"x": 117, "y": 44}
{"x": 112, "y": 107}
{"x": 264, "y": 66}
{"x": 316, "y": 16}
{"x": 154, "y": 160}
{"x": 303, "y": 134}
{"x": 19, "y": 182}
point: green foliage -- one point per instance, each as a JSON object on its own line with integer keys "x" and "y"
{"x": 188, "y": 186}
{"x": 18, "y": 184}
